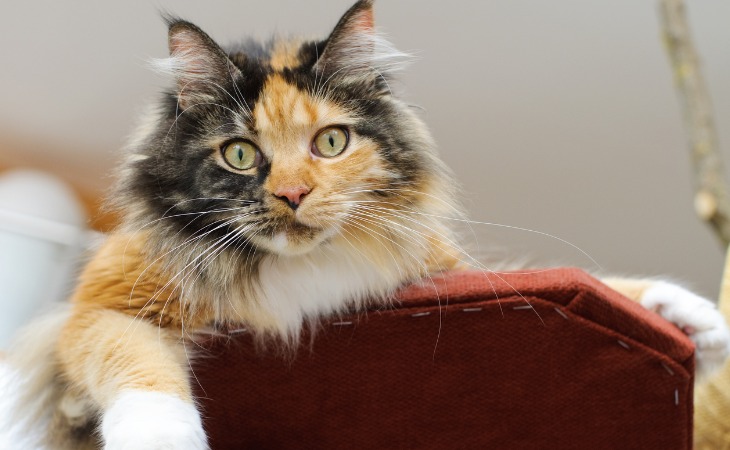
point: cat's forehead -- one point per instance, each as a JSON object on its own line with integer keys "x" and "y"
{"x": 278, "y": 53}
{"x": 289, "y": 94}
{"x": 287, "y": 54}
{"x": 284, "y": 106}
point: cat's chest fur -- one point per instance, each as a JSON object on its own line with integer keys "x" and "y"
{"x": 290, "y": 291}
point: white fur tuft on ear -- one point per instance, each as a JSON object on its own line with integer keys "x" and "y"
{"x": 174, "y": 68}
{"x": 171, "y": 66}
{"x": 362, "y": 53}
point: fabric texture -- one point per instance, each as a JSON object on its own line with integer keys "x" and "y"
{"x": 533, "y": 360}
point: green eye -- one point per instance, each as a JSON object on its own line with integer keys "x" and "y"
{"x": 330, "y": 142}
{"x": 241, "y": 155}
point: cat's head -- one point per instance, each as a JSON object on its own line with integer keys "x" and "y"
{"x": 281, "y": 146}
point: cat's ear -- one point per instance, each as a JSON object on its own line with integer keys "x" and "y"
{"x": 354, "y": 47}
{"x": 198, "y": 64}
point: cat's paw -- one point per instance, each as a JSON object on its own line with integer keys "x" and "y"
{"x": 697, "y": 317}
{"x": 145, "y": 420}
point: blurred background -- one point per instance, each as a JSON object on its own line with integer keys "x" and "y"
{"x": 556, "y": 116}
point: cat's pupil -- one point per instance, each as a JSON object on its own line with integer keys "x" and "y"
{"x": 332, "y": 141}
{"x": 240, "y": 154}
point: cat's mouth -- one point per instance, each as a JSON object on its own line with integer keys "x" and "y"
{"x": 292, "y": 237}
{"x": 298, "y": 228}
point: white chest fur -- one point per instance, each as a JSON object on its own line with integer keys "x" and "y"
{"x": 328, "y": 280}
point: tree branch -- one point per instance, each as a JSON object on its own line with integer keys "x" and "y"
{"x": 711, "y": 197}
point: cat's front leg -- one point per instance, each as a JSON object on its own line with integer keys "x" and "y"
{"x": 695, "y": 316}
{"x": 137, "y": 375}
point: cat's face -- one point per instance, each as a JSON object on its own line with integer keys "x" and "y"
{"x": 318, "y": 157}
{"x": 281, "y": 146}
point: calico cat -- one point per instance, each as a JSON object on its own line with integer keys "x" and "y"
{"x": 274, "y": 185}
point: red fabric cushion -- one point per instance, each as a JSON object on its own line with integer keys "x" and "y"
{"x": 542, "y": 360}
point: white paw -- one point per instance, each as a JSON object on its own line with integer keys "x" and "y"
{"x": 146, "y": 420}
{"x": 697, "y": 317}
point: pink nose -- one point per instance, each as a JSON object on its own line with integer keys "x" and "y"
{"x": 292, "y": 195}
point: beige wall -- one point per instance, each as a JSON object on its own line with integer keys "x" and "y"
{"x": 558, "y": 116}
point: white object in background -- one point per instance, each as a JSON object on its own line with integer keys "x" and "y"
{"x": 42, "y": 233}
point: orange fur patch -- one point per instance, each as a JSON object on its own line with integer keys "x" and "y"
{"x": 122, "y": 277}
{"x": 285, "y": 54}
{"x": 633, "y": 289}
{"x": 124, "y": 330}
{"x": 286, "y": 120}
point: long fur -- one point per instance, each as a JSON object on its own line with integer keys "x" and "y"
{"x": 32, "y": 397}
{"x": 205, "y": 246}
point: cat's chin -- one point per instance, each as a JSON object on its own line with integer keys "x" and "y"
{"x": 293, "y": 242}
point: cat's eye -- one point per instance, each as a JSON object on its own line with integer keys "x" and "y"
{"x": 241, "y": 155}
{"x": 330, "y": 142}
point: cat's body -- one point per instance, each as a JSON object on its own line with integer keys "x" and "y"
{"x": 275, "y": 186}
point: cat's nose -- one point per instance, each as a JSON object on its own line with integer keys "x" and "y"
{"x": 292, "y": 195}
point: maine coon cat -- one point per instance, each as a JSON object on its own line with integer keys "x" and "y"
{"x": 273, "y": 185}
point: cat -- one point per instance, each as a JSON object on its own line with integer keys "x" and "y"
{"x": 274, "y": 185}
